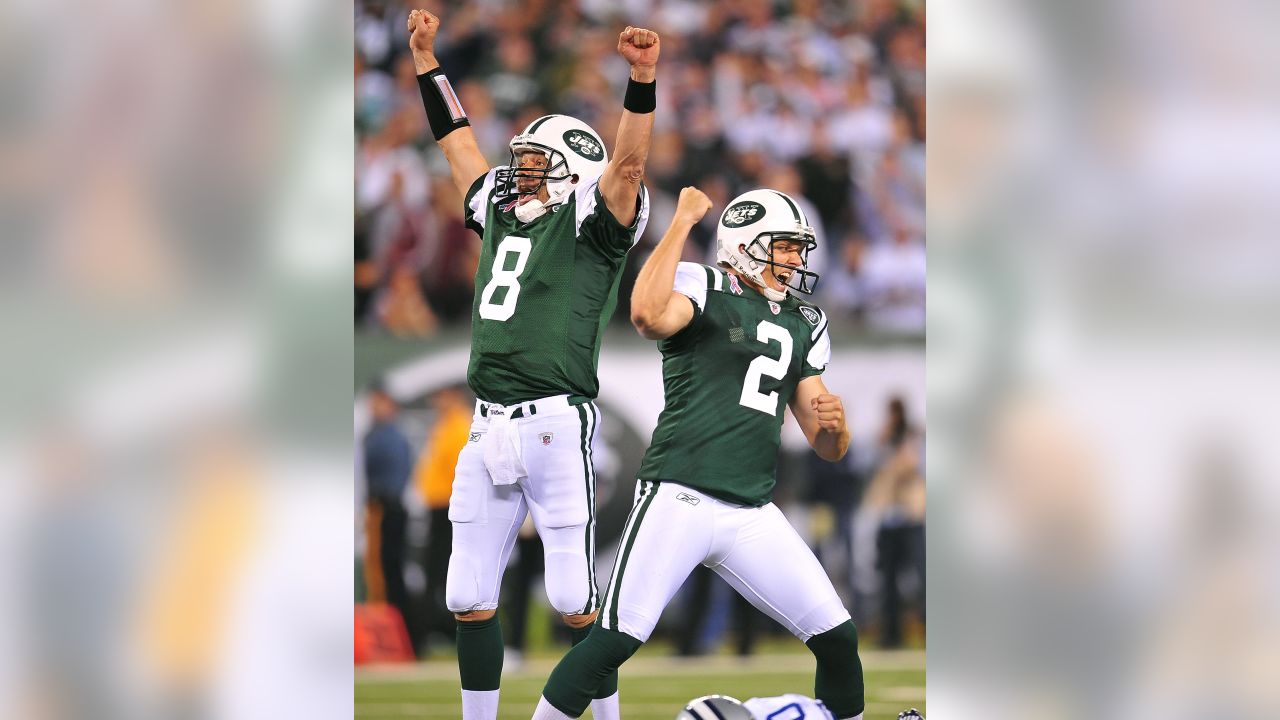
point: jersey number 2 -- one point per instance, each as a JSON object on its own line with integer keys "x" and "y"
{"x": 509, "y": 279}
{"x": 764, "y": 365}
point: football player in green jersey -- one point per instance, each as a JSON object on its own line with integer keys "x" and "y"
{"x": 556, "y": 225}
{"x": 737, "y": 347}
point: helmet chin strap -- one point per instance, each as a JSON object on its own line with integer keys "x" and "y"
{"x": 534, "y": 209}
{"x": 774, "y": 295}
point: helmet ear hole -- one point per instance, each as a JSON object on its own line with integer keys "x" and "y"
{"x": 574, "y": 178}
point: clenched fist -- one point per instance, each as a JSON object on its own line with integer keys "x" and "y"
{"x": 422, "y": 37}
{"x": 693, "y": 204}
{"x": 639, "y": 46}
{"x": 830, "y": 411}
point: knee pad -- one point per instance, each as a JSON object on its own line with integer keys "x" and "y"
{"x": 568, "y": 583}
{"x": 462, "y": 588}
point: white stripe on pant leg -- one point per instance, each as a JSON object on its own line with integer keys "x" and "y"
{"x": 617, "y": 561}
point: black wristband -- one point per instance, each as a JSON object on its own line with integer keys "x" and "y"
{"x": 444, "y": 111}
{"x": 641, "y": 97}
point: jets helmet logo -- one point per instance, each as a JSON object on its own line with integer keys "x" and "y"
{"x": 744, "y": 213}
{"x": 809, "y": 314}
{"x": 584, "y": 145}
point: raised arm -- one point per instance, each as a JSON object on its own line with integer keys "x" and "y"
{"x": 620, "y": 183}
{"x": 657, "y": 311}
{"x": 448, "y": 120}
{"x": 821, "y": 417}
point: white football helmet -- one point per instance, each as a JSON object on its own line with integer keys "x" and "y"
{"x": 574, "y": 152}
{"x": 752, "y": 222}
{"x": 714, "y": 707}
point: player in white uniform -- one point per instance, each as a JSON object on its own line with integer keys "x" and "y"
{"x": 783, "y": 707}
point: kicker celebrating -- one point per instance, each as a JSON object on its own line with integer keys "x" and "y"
{"x": 556, "y": 225}
{"x": 737, "y": 348}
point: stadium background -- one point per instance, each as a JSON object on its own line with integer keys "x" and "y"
{"x": 823, "y": 100}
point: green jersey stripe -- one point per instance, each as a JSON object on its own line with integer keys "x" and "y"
{"x": 617, "y": 562}
{"x": 586, "y": 476}
{"x": 616, "y": 584}
{"x": 594, "y": 599}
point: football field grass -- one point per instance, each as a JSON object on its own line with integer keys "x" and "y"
{"x": 654, "y": 686}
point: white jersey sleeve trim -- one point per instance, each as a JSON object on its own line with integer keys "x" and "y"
{"x": 820, "y": 354}
{"x": 821, "y": 326}
{"x": 717, "y": 278}
{"x": 585, "y": 201}
{"x": 691, "y": 281}
{"x": 479, "y": 205}
{"x": 642, "y": 219}
{"x": 585, "y": 197}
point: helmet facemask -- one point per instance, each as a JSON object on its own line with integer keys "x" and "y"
{"x": 555, "y": 177}
{"x": 798, "y": 278}
{"x": 555, "y": 172}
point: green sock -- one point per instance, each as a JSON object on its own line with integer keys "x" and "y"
{"x": 609, "y": 685}
{"x": 480, "y": 654}
{"x": 582, "y": 670}
{"x": 838, "y": 681}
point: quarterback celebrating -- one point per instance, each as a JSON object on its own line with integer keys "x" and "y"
{"x": 556, "y": 225}
{"x": 737, "y": 347}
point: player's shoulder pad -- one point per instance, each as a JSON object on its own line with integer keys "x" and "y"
{"x": 721, "y": 280}
{"x": 693, "y": 281}
{"x": 814, "y": 316}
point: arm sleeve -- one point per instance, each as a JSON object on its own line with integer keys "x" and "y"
{"x": 691, "y": 281}
{"x": 475, "y": 209}
{"x": 596, "y": 225}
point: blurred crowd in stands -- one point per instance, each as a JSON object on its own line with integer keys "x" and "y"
{"x": 820, "y": 99}
{"x": 864, "y": 517}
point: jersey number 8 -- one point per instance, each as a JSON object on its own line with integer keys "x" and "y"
{"x": 509, "y": 279}
{"x": 764, "y": 365}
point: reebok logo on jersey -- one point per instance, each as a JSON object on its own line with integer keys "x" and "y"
{"x": 546, "y": 438}
{"x": 686, "y": 497}
{"x": 475, "y": 437}
{"x": 775, "y": 307}
{"x": 809, "y": 314}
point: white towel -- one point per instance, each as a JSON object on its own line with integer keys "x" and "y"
{"x": 502, "y": 455}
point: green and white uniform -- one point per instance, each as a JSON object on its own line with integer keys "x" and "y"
{"x": 706, "y": 480}
{"x": 728, "y": 376}
{"x": 544, "y": 291}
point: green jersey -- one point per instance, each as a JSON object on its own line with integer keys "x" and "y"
{"x": 544, "y": 291}
{"x": 728, "y": 376}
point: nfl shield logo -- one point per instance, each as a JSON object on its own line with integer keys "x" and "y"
{"x": 733, "y": 284}
{"x": 546, "y": 438}
{"x": 774, "y": 307}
